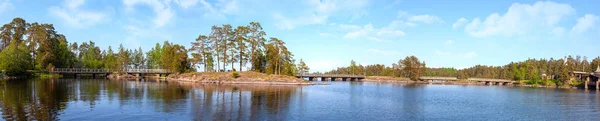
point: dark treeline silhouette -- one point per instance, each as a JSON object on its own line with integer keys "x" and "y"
{"x": 532, "y": 71}
{"x": 32, "y": 46}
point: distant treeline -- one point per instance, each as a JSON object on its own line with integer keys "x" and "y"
{"x": 33, "y": 46}
{"x": 533, "y": 71}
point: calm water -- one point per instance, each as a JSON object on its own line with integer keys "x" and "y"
{"x": 69, "y": 99}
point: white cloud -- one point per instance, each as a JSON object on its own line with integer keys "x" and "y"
{"x": 5, "y": 5}
{"x": 319, "y": 11}
{"x": 185, "y": 4}
{"x": 459, "y": 23}
{"x": 426, "y": 18}
{"x": 326, "y": 35}
{"x": 384, "y": 52}
{"x": 72, "y": 14}
{"x": 162, "y": 9}
{"x": 448, "y": 43}
{"x": 374, "y": 34}
{"x": 394, "y": 3}
{"x": 521, "y": 19}
{"x": 286, "y": 23}
{"x": 585, "y": 23}
{"x": 351, "y": 27}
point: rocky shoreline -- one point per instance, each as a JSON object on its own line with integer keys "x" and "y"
{"x": 246, "y": 77}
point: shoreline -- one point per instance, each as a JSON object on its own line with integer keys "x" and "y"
{"x": 244, "y": 77}
{"x": 466, "y": 83}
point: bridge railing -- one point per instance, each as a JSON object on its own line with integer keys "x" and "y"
{"x": 78, "y": 70}
{"x": 485, "y": 79}
{"x": 146, "y": 70}
{"x": 437, "y": 78}
{"x": 86, "y": 70}
{"x": 331, "y": 75}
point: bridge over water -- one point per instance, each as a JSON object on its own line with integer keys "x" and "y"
{"x": 486, "y": 81}
{"x": 105, "y": 72}
{"x": 591, "y": 78}
{"x": 331, "y": 77}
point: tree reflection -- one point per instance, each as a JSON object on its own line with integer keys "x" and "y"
{"x": 33, "y": 100}
{"x": 241, "y": 102}
{"x": 47, "y": 99}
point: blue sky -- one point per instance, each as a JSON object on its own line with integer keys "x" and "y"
{"x": 330, "y": 33}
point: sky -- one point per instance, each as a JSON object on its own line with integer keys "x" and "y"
{"x": 329, "y": 33}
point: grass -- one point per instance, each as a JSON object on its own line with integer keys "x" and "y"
{"x": 46, "y": 75}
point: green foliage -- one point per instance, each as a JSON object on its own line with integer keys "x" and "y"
{"x": 110, "y": 60}
{"x": 154, "y": 57}
{"x": 92, "y": 58}
{"x": 15, "y": 59}
{"x": 174, "y": 58}
{"x": 123, "y": 58}
{"x": 279, "y": 59}
{"x": 302, "y": 67}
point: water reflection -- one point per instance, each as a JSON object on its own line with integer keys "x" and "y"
{"x": 89, "y": 99}
{"x": 46, "y": 99}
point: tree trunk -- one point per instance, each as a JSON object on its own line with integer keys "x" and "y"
{"x": 232, "y": 57}
{"x": 241, "y": 53}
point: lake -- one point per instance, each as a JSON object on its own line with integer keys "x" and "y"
{"x": 99, "y": 99}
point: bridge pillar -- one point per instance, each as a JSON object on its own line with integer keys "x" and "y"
{"x": 587, "y": 80}
{"x": 323, "y": 79}
{"x": 93, "y": 76}
{"x": 310, "y": 78}
{"x": 344, "y": 79}
{"x": 332, "y": 78}
{"x": 352, "y": 79}
{"x": 597, "y": 84}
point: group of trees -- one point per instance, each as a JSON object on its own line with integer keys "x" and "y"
{"x": 532, "y": 70}
{"x": 27, "y": 46}
{"x": 243, "y": 45}
{"x": 32, "y": 46}
{"x": 409, "y": 67}
{"x": 536, "y": 70}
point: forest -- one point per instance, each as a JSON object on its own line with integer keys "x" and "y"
{"x": 26, "y": 48}
{"x": 531, "y": 71}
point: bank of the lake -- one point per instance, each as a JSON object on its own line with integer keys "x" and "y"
{"x": 389, "y": 79}
{"x": 244, "y": 77}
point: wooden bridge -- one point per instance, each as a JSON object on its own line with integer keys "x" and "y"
{"x": 591, "y": 78}
{"x": 106, "y": 72}
{"x": 492, "y": 81}
{"x": 481, "y": 80}
{"x": 331, "y": 77}
{"x": 431, "y": 78}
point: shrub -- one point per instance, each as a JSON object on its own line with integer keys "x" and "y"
{"x": 235, "y": 75}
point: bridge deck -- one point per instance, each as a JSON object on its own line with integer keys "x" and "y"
{"x": 106, "y": 71}
{"x": 489, "y": 80}
{"x": 438, "y": 78}
{"x": 329, "y": 76}
{"x": 470, "y": 79}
